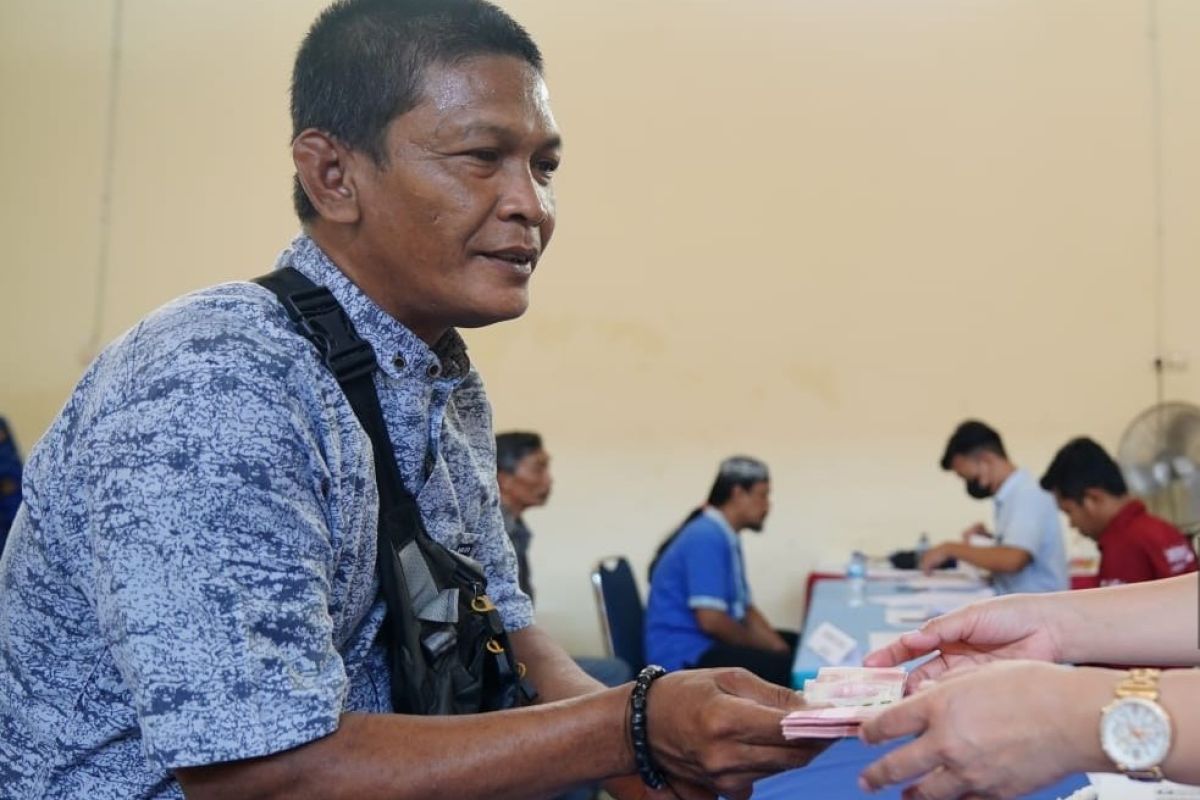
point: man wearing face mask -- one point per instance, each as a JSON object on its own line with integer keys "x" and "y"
{"x": 1027, "y": 552}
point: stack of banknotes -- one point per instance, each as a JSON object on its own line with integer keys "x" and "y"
{"x": 839, "y": 699}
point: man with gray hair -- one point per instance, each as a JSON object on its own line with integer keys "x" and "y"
{"x": 700, "y": 612}
{"x": 524, "y": 479}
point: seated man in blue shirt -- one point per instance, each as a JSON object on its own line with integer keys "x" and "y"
{"x": 1027, "y": 553}
{"x": 190, "y": 596}
{"x": 700, "y": 612}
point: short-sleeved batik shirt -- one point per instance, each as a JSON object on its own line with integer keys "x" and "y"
{"x": 191, "y": 577}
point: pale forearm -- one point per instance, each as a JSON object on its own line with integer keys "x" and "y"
{"x": 499, "y": 756}
{"x": 1153, "y": 623}
{"x": 1179, "y": 694}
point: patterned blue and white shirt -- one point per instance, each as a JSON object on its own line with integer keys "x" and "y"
{"x": 191, "y": 578}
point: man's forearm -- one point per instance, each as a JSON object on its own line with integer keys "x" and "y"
{"x": 493, "y": 756}
{"x": 554, "y": 673}
{"x": 765, "y": 636}
{"x": 724, "y": 628}
{"x": 557, "y": 677}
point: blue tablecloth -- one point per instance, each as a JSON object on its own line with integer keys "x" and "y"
{"x": 834, "y": 775}
{"x": 831, "y": 602}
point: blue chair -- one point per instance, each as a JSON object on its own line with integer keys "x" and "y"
{"x": 621, "y": 613}
{"x": 10, "y": 481}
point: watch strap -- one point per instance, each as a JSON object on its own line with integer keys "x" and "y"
{"x": 1141, "y": 683}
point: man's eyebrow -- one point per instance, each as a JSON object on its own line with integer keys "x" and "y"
{"x": 504, "y": 134}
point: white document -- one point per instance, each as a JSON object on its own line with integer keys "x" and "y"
{"x": 953, "y": 582}
{"x": 907, "y": 617}
{"x": 939, "y": 602}
{"x": 1118, "y": 787}
{"x": 831, "y": 643}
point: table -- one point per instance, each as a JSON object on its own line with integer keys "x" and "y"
{"x": 1084, "y": 577}
{"x": 831, "y": 602}
{"x": 833, "y": 775}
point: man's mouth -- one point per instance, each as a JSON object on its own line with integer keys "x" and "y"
{"x": 523, "y": 259}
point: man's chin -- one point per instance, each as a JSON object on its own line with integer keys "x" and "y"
{"x": 498, "y": 312}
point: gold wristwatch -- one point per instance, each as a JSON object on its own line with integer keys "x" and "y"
{"x": 1135, "y": 731}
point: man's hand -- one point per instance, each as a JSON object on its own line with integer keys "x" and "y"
{"x": 934, "y": 557}
{"x": 997, "y": 731}
{"x": 978, "y": 529}
{"x": 720, "y": 729}
{"x": 1006, "y": 627}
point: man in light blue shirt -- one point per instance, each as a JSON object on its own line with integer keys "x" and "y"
{"x": 1028, "y": 554}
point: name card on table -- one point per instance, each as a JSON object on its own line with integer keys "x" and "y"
{"x": 831, "y": 643}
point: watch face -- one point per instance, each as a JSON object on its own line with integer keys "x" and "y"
{"x": 1135, "y": 733}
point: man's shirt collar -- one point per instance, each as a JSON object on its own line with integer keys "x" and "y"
{"x": 401, "y": 354}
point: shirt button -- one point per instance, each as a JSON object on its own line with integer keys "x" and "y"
{"x": 434, "y": 370}
{"x": 398, "y": 362}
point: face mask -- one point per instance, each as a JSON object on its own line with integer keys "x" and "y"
{"x": 978, "y": 490}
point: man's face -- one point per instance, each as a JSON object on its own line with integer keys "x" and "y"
{"x": 530, "y": 482}
{"x": 755, "y": 504}
{"x": 454, "y": 222}
{"x": 976, "y": 474}
{"x": 1082, "y": 514}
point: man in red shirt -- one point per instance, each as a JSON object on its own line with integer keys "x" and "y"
{"x": 1134, "y": 544}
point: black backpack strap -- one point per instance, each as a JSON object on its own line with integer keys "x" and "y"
{"x": 321, "y": 319}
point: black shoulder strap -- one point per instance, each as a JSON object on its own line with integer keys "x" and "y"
{"x": 322, "y": 320}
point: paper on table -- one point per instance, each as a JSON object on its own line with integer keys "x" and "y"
{"x": 1110, "y": 786}
{"x": 940, "y": 602}
{"x": 907, "y": 617}
{"x": 831, "y": 643}
{"x": 954, "y": 582}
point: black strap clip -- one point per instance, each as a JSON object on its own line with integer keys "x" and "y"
{"x": 324, "y": 323}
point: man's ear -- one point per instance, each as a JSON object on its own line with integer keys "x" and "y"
{"x": 1093, "y": 494}
{"x": 323, "y": 166}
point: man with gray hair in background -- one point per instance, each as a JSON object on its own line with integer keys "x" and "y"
{"x": 700, "y": 612}
{"x": 524, "y": 479}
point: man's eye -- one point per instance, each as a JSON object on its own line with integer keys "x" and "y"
{"x": 486, "y": 156}
{"x": 547, "y": 165}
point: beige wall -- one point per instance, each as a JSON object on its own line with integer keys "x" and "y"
{"x": 819, "y": 231}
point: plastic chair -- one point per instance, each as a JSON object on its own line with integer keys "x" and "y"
{"x": 621, "y": 613}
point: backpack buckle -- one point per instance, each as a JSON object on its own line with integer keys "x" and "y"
{"x": 324, "y": 322}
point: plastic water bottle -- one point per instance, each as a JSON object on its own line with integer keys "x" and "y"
{"x": 856, "y": 577}
{"x": 922, "y": 547}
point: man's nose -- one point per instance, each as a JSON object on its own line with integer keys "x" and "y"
{"x": 525, "y": 200}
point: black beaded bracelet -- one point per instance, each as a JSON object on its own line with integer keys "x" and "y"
{"x": 638, "y": 730}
